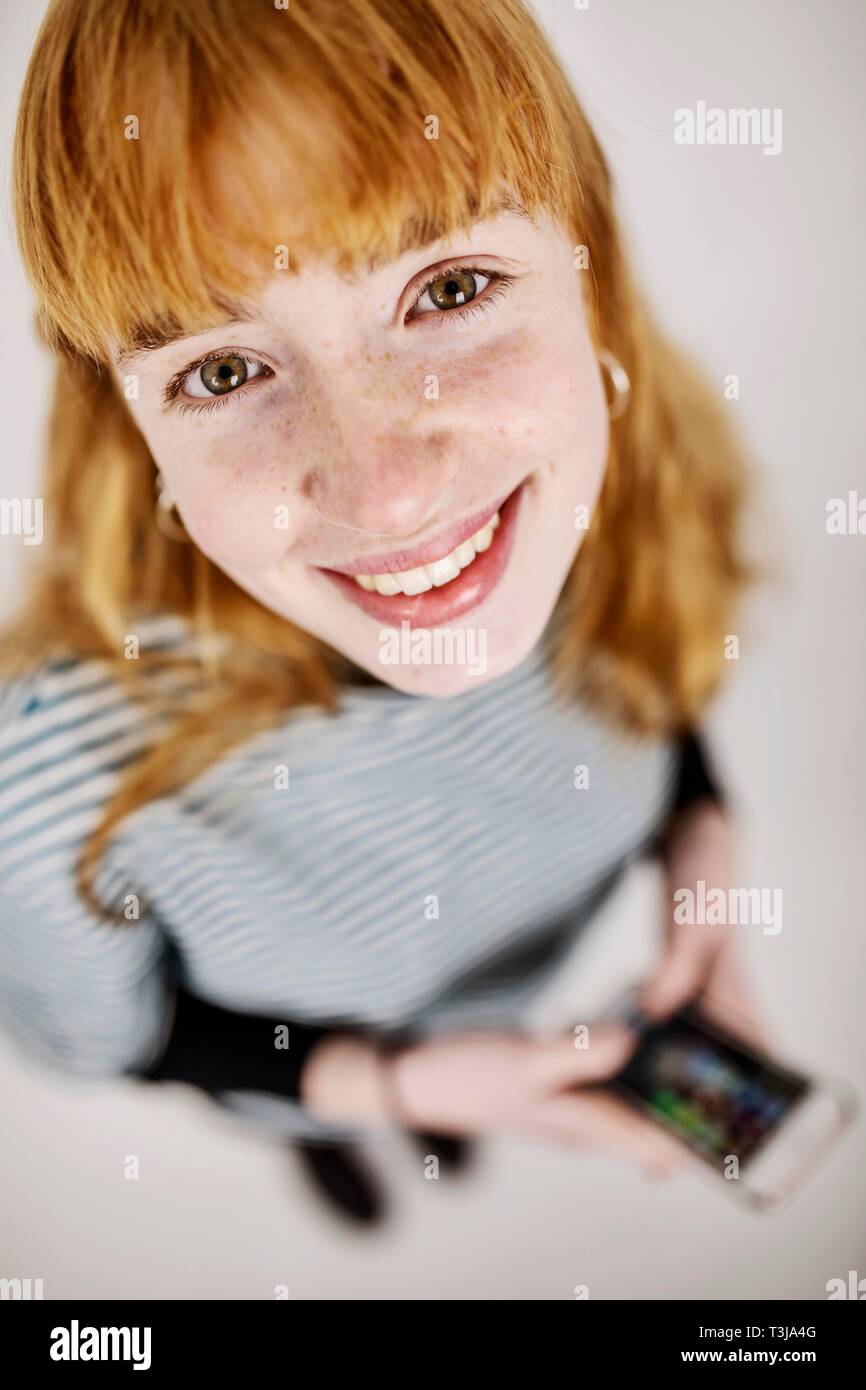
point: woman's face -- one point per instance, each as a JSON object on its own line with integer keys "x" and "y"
{"x": 392, "y": 460}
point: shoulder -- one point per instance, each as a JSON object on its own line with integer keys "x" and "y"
{"x": 65, "y": 691}
{"x": 68, "y": 726}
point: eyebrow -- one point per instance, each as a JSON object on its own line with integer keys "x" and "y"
{"x": 151, "y": 340}
{"x": 418, "y": 235}
{"x": 416, "y": 238}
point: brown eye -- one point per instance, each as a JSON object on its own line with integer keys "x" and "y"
{"x": 453, "y": 289}
{"x": 223, "y": 374}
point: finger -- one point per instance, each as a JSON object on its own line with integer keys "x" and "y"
{"x": 729, "y": 1001}
{"x": 600, "y": 1121}
{"x": 690, "y": 952}
{"x": 594, "y": 1054}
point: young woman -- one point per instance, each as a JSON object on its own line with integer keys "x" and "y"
{"x": 390, "y": 553}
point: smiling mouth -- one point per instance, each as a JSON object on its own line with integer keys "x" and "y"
{"x": 436, "y": 574}
{"x": 449, "y": 577}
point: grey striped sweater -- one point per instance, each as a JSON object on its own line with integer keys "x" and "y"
{"x": 408, "y": 863}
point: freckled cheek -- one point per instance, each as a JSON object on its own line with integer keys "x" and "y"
{"x": 543, "y": 400}
{"x": 236, "y": 508}
{"x": 574, "y": 430}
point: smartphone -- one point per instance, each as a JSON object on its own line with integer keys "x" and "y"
{"x": 761, "y": 1125}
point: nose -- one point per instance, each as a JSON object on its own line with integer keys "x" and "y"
{"x": 389, "y": 484}
{"x": 386, "y": 481}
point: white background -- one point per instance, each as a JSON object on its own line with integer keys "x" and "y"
{"x": 755, "y": 262}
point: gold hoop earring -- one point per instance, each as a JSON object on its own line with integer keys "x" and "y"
{"x": 620, "y": 384}
{"x": 166, "y": 515}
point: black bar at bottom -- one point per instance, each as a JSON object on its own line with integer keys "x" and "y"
{"x": 62, "y": 1336}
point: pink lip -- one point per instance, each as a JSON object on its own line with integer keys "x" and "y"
{"x": 443, "y": 605}
{"x": 435, "y": 549}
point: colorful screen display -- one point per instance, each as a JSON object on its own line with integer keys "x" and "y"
{"x": 710, "y": 1091}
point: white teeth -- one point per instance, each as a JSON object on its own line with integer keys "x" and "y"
{"x": 414, "y": 581}
{"x": 437, "y": 573}
{"x": 385, "y": 584}
{"x": 464, "y": 554}
{"x": 442, "y": 570}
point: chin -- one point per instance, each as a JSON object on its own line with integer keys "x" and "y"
{"x": 446, "y": 662}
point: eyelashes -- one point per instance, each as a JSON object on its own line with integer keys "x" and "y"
{"x": 175, "y": 384}
{"x": 204, "y": 407}
{"x": 498, "y": 284}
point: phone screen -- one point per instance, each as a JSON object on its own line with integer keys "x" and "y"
{"x": 709, "y": 1089}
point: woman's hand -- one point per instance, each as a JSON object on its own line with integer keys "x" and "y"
{"x": 504, "y": 1083}
{"x": 489, "y": 1083}
{"x": 702, "y": 963}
